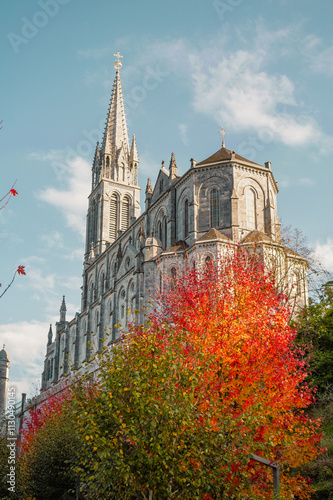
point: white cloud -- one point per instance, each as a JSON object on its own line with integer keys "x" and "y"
{"x": 238, "y": 93}
{"x": 321, "y": 60}
{"x": 72, "y": 202}
{"x": 53, "y": 240}
{"x": 52, "y": 155}
{"x": 25, "y": 344}
{"x": 304, "y": 181}
{"x": 324, "y": 251}
{"x": 183, "y": 133}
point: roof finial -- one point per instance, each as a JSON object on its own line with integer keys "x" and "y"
{"x": 118, "y": 63}
{"x": 223, "y": 133}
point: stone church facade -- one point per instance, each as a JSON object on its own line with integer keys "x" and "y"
{"x": 220, "y": 203}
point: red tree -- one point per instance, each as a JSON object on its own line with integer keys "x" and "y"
{"x": 255, "y": 375}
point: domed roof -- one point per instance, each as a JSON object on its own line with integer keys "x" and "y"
{"x": 4, "y": 355}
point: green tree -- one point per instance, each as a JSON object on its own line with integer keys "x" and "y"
{"x": 182, "y": 402}
{"x": 47, "y": 450}
{"x": 316, "y": 330}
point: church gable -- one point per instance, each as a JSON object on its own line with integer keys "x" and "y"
{"x": 162, "y": 184}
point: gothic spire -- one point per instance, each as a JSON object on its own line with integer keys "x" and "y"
{"x": 173, "y": 167}
{"x": 115, "y": 133}
{"x": 149, "y": 189}
{"x": 63, "y": 310}
{"x": 134, "y": 156}
{"x": 49, "y": 336}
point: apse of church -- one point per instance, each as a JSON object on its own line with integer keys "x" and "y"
{"x": 220, "y": 203}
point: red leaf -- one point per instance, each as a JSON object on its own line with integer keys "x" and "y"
{"x": 21, "y": 270}
{"x": 13, "y": 192}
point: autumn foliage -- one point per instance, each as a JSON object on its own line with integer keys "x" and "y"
{"x": 183, "y": 401}
{"x": 255, "y": 374}
{"x": 46, "y": 449}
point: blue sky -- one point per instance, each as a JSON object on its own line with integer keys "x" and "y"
{"x": 262, "y": 69}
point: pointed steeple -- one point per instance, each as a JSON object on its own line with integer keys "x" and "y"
{"x": 96, "y": 167}
{"x": 149, "y": 189}
{"x": 115, "y": 134}
{"x": 149, "y": 193}
{"x": 134, "y": 156}
{"x": 63, "y": 310}
{"x": 173, "y": 167}
{"x": 49, "y": 336}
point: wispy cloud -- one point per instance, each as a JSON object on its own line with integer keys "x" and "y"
{"x": 324, "y": 251}
{"x": 183, "y": 133}
{"x": 238, "y": 92}
{"x": 25, "y": 344}
{"x": 71, "y": 201}
{"x": 304, "y": 181}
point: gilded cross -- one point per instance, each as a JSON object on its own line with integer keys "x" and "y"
{"x": 223, "y": 133}
{"x": 118, "y": 63}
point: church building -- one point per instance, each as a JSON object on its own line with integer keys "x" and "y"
{"x": 220, "y": 203}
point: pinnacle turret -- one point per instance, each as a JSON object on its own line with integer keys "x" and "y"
{"x": 173, "y": 167}
{"x": 149, "y": 189}
{"x": 134, "y": 156}
{"x": 49, "y": 336}
{"x": 63, "y": 310}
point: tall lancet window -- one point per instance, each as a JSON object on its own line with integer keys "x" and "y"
{"x": 251, "y": 216}
{"x": 159, "y": 230}
{"x": 107, "y": 167}
{"x": 165, "y": 242}
{"x": 186, "y": 218}
{"x": 214, "y": 204}
{"x": 93, "y": 235}
{"x": 113, "y": 217}
{"x": 125, "y": 214}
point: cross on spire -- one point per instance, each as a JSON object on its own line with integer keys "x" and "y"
{"x": 118, "y": 63}
{"x": 223, "y": 133}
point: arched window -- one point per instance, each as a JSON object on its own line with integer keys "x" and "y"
{"x": 165, "y": 242}
{"x": 125, "y": 214}
{"x": 214, "y": 204}
{"x": 159, "y": 230}
{"x": 113, "y": 223}
{"x": 186, "y": 218}
{"x": 93, "y": 236}
{"x": 251, "y": 216}
{"x": 102, "y": 283}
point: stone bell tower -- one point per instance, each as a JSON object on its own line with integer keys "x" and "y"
{"x": 4, "y": 369}
{"x": 114, "y": 201}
